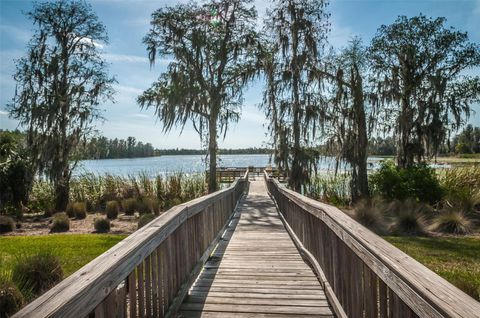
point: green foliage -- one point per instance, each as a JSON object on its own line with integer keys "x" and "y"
{"x": 330, "y": 188}
{"x": 102, "y": 225}
{"x": 37, "y": 273}
{"x": 60, "y": 223}
{"x": 15, "y": 172}
{"x": 412, "y": 61}
{"x": 42, "y": 197}
{"x": 11, "y": 299}
{"x": 58, "y": 95}
{"x": 209, "y": 94}
{"x": 129, "y": 206}
{"x": 462, "y": 188}
{"x": 418, "y": 182}
{"x": 145, "y": 219}
{"x": 112, "y": 208}
{"x": 452, "y": 222}
{"x": 147, "y": 205}
{"x": 79, "y": 210}
{"x": 7, "y": 224}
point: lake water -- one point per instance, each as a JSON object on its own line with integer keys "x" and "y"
{"x": 188, "y": 164}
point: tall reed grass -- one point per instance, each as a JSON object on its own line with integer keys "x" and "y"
{"x": 97, "y": 190}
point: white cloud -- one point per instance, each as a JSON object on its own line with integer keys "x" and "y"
{"x": 124, "y": 58}
{"x": 3, "y": 113}
{"x": 128, "y": 90}
{"x": 139, "y": 115}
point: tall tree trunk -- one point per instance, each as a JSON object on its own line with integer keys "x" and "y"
{"x": 212, "y": 152}
{"x": 359, "y": 177}
{"x": 62, "y": 191}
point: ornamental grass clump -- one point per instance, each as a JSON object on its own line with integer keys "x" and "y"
{"x": 37, "y": 273}
{"x": 370, "y": 213}
{"x": 408, "y": 217}
{"x": 7, "y": 224}
{"x": 102, "y": 225}
{"x": 452, "y": 221}
{"x": 79, "y": 210}
{"x": 111, "y": 209}
{"x": 129, "y": 205}
{"x": 60, "y": 223}
{"x": 11, "y": 299}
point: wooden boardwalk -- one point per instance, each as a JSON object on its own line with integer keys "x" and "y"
{"x": 256, "y": 270}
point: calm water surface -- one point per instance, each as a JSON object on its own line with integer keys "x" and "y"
{"x": 188, "y": 164}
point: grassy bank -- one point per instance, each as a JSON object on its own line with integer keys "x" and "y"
{"x": 457, "y": 259}
{"x": 73, "y": 250}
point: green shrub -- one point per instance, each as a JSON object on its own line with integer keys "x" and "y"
{"x": 79, "y": 210}
{"x": 453, "y": 222}
{"x": 60, "y": 223}
{"x": 409, "y": 217}
{"x": 129, "y": 206}
{"x": 102, "y": 225}
{"x": 37, "y": 273}
{"x": 11, "y": 299}
{"x": 112, "y": 209}
{"x": 145, "y": 219}
{"x": 418, "y": 182}
{"x": 370, "y": 213}
{"x": 69, "y": 210}
{"x": 147, "y": 205}
{"x": 7, "y": 224}
{"x": 42, "y": 197}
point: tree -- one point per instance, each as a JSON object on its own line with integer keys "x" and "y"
{"x": 346, "y": 112}
{"x": 468, "y": 141}
{"x": 213, "y": 46}
{"x": 297, "y": 29}
{"x": 419, "y": 65}
{"x": 60, "y": 83}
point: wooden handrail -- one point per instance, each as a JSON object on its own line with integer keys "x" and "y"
{"x": 142, "y": 275}
{"x": 369, "y": 276}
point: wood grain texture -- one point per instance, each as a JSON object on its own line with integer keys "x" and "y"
{"x": 256, "y": 269}
{"x": 385, "y": 281}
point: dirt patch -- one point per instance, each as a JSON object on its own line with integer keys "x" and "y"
{"x": 39, "y": 225}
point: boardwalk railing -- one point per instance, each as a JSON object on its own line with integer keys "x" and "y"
{"x": 369, "y": 276}
{"x": 145, "y": 275}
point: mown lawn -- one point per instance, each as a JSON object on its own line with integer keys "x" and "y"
{"x": 74, "y": 250}
{"x": 457, "y": 259}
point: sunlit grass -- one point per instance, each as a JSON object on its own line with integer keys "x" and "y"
{"x": 457, "y": 259}
{"x": 74, "y": 250}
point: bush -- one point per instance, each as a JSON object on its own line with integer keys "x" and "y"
{"x": 409, "y": 217}
{"x": 370, "y": 213}
{"x": 60, "y": 223}
{"x": 11, "y": 299}
{"x": 147, "y": 205}
{"x": 112, "y": 209}
{"x": 69, "y": 210}
{"x": 7, "y": 224}
{"x": 129, "y": 206}
{"x": 145, "y": 219}
{"x": 453, "y": 222}
{"x": 102, "y": 225}
{"x": 37, "y": 273}
{"x": 418, "y": 182}
{"x": 79, "y": 210}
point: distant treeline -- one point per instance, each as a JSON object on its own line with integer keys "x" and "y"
{"x": 104, "y": 148}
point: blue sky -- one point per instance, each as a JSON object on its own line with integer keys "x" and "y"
{"x": 127, "y": 21}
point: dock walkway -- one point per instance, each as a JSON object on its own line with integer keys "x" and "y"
{"x": 256, "y": 270}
